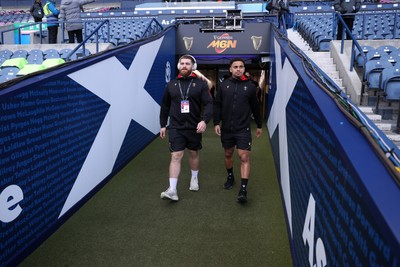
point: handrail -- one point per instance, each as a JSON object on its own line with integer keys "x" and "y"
{"x": 96, "y": 31}
{"x": 24, "y": 26}
{"x": 149, "y": 27}
{"x": 64, "y": 22}
{"x": 354, "y": 44}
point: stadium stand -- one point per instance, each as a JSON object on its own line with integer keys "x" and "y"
{"x": 359, "y": 59}
{"x": 372, "y": 72}
{"x": 390, "y": 83}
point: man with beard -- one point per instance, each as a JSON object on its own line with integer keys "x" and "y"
{"x": 182, "y": 102}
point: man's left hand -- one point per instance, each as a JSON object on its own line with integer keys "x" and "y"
{"x": 258, "y": 132}
{"x": 201, "y": 127}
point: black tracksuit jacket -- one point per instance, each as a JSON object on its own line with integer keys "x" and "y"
{"x": 198, "y": 96}
{"x": 235, "y": 101}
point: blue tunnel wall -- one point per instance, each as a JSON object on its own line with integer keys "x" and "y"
{"x": 65, "y": 132}
{"x": 339, "y": 197}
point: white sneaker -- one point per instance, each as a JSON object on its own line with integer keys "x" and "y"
{"x": 194, "y": 184}
{"x": 170, "y": 194}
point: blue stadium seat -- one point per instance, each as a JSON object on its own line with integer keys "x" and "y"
{"x": 124, "y": 41}
{"x": 35, "y": 52}
{"x": 374, "y": 55}
{"x": 20, "y": 53}
{"x": 51, "y": 53}
{"x": 6, "y": 54}
{"x": 393, "y": 59}
{"x": 390, "y": 82}
{"x": 358, "y": 57}
{"x": 2, "y": 59}
{"x": 65, "y": 51}
{"x": 9, "y": 71}
{"x": 5, "y": 78}
{"x": 386, "y": 49}
{"x": 323, "y": 42}
{"x": 114, "y": 41}
{"x": 35, "y": 59}
{"x": 80, "y": 53}
{"x": 372, "y": 72}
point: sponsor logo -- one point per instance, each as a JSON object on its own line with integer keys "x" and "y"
{"x": 257, "y": 40}
{"x": 222, "y": 42}
{"x": 188, "y": 41}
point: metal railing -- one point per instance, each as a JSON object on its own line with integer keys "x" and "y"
{"x": 152, "y": 28}
{"x": 354, "y": 45}
{"x": 19, "y": 29}
{"x": 95, "y": 32}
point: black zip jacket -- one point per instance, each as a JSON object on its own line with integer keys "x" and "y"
{"x": 198, "y": 96}
{"x": 235, "y": 101}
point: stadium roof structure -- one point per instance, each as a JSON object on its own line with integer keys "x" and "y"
{"x": 203, "y": 8}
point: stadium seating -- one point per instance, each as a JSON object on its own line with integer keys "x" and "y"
{"x": 51, "y": 62}
{"x": 5, "y": 78}
{"x": 316, "y": 30}
{"x": 22, "y": 62}
{"x": 35, "y": 59}
{"x": 20, "y": 53}
{"x": 374, "y": 55}
{"x": 36, "y": 52}
{"x": 372, "y": 72}
{"x": 390, "y": 83}
{"x": 359, "y": 60}
{"x": 6, "y": 54}
{"x": 51, "y": 53}
{"x": 9, "y": 71}
{"x": 17, "y": 62}
{"x": 29, "y": 68}
{"x": 367, "y": 25}
{"x": 9, "y": 17}
{"x": 388, "y": 49}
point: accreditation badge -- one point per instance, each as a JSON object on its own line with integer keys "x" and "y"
{"x": 184, "y": 106}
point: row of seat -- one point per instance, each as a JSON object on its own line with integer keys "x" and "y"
{"x": 377, "y": 26}
{"x": 317, "y": 29}
{"x": 16, "y": 67}
{"x": 120, "y": 32}
{"x": 388, "y": 79}
{"x": 37, "y": 55}
{"x": 14, "y": 16}
{"x": 373, "y": 72}
{"x": 392, "y": 54}
{"x": 381, "y": 71}
{"x": 390, "y": 84}
{"x": 22, "y": 62}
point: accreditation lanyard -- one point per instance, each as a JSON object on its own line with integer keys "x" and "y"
{"x": 185, "y": 101}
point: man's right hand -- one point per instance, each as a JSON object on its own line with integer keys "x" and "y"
{"x": 162, "y": 132}
{"x": 217, "y": 130}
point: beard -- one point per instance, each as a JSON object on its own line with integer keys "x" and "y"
{"x": 184, "y": 72}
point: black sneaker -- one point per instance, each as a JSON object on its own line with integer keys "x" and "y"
{"x": 229, "y": 183}
{"x": 242, "y": 196}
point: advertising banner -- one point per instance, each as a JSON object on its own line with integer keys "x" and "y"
{"x": 252, "y": 41}
{"x": 340, "y": 200}
{"x": 66, "y": 132}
